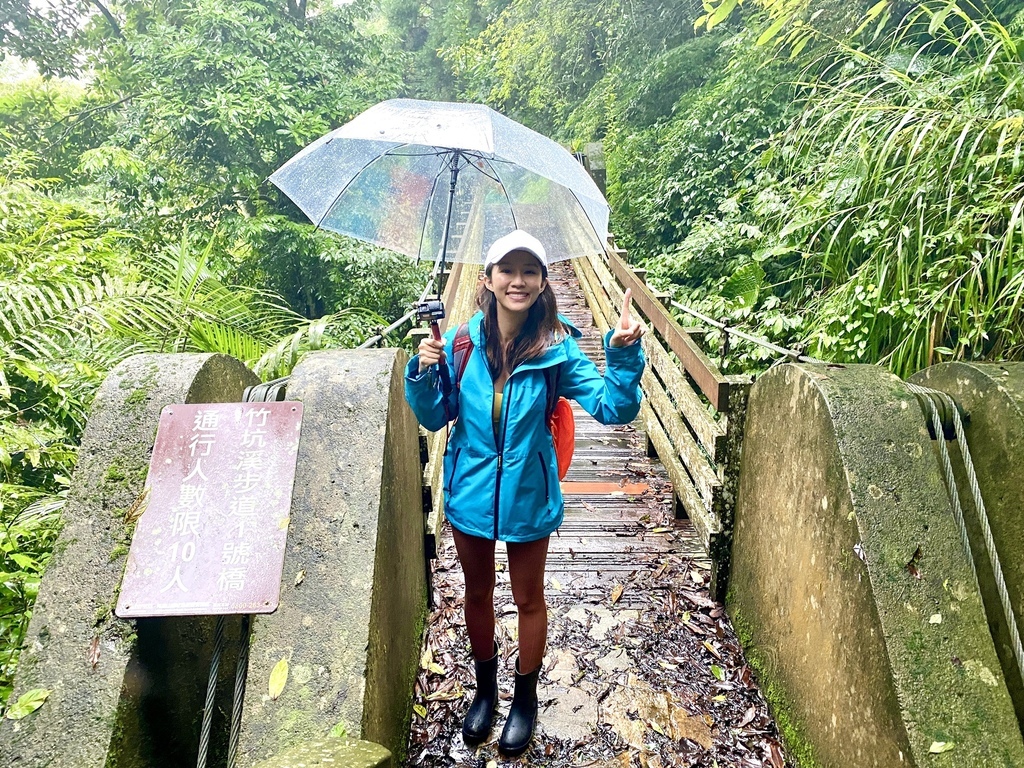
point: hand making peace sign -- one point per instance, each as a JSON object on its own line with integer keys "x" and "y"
{"x": 627, "y": 331}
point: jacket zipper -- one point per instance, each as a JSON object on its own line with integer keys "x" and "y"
{"x": 501, "y": 450}
{"x": 544, "y": 471}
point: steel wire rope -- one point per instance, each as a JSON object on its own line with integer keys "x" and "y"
{"x": 255, "y": 394}
{"x": 270, "y": 389}
{"x": 211, "y": 690}
{"x": 241, "y": 674}
{"x": 407, "y": 316}
{"x": 979, "y": 504}
{"x": 728, "y": 329}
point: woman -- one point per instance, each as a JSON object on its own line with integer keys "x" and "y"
{"x": 500, "y": 467}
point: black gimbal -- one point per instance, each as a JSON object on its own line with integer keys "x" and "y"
{"x": 430, "y": 311}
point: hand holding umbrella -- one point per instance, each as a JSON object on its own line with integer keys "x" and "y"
{"x": 627, "y": 331}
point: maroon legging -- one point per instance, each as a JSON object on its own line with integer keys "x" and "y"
{"x": 526, "y": 563}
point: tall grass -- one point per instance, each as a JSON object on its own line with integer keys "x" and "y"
{"x": 908, "y": 198}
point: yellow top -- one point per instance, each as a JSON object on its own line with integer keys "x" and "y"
{"x": 496, "y": 409}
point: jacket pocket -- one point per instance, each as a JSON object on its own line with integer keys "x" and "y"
{"x": 451, "y": 475}
{"x": 544, "y": 472}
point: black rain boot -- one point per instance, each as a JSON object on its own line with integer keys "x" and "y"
{"x": 522, "y": 715}
{"x": 477, "y": 725}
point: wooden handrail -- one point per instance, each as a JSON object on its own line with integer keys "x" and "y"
{"x": 699, "y": 447}
{"x": 713, "y": 384}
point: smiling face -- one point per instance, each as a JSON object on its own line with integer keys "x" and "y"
{"x": 516, "y": 282}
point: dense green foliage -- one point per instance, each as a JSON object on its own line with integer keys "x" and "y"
{"x": 135, "y": 217}
{"x": 842, "y": 177}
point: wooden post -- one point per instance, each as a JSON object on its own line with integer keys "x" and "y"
{"x": 729, "y": 469}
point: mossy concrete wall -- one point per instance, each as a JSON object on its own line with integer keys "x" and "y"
{"x": 850, "y": 589}
{"x": 353, "y": 598}
{"x": 332, "y": 753}
{"x": 97, "y": 713}
{"x": 992, "y": 395}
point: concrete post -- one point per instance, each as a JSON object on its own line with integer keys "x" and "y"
{"x": 115, "y": 712}
{"x": 353, "y": 597}
{"x": 850, "y": 589}
{"x": 992, "y": 394}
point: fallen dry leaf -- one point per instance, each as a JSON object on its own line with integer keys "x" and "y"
{"x": 616, "y": 593}
{"x": 137, "y": 507}
{"x": 712, "y": 650}
{"x": 912, "y": 565}
{"x": 278, "y": 678}
{"x": 658, "y": 708}
{"x": 692, "y": 718}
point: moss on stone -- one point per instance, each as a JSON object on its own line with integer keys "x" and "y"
{"x": 137, "y": 397}
{"x": 339, "y": 731}
{"x": 798, "y": 747}
{"x": 335, "y": 752}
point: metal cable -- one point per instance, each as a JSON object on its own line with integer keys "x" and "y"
{"x": 947, "y": 466}
{"x": 211, "y": 690}
{"x": 241, "y": 673}
{"x": 407, "y": 316}
{"x": 979, "y": 504}
{"x": 380, "y": 336}
{"x": 727, "y": 329}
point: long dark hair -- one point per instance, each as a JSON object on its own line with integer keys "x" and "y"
{"x": 541, "y": 329}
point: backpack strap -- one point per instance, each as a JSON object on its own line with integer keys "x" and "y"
{"x": 551, "y": 376}
{"x": 462, "y": 346}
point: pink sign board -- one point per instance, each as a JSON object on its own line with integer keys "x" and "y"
{"x": 211, "y": 539}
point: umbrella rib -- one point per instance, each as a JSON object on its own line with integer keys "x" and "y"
{"x": 426, "y": 213}
{"x": 587, "y": 217}
{"x": 344, "y": 189}
{"x": 480, "y": 170}
{"x": 511, "y": 209}
{"x": 436, "y": 153}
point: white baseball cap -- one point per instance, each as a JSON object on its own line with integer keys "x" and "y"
{"x": 516, "y": 240}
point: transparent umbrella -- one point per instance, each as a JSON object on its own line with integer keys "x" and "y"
{"x": 442, "y": 181}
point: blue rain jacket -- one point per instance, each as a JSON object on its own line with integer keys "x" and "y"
{"x": 505, "y": 487}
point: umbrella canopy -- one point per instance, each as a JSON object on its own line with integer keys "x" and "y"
{"x": 435, "y": 179}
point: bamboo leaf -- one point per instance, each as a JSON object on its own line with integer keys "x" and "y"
{"x": 939, "y": 19}
{"x": 769, "y": 34}
{"x": 721, "y": 13}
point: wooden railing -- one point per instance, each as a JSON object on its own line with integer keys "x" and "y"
{"x": 693, "y": 413}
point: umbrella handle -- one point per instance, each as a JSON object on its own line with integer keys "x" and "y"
{"x": 446, "y": 382}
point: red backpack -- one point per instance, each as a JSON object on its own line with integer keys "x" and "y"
{"x": 560, "y": 419}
